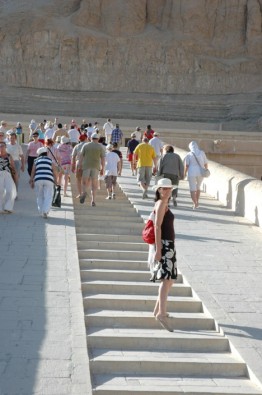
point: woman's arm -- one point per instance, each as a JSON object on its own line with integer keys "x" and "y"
{"x": 160, "y": 209}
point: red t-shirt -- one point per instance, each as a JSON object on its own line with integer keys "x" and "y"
{"x": 149, "y": 134}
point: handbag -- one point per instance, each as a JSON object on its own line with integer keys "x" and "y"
{"x": 56, "y": 202}
{"x": 204, "y": 172}
{"x": 148, "y": 233}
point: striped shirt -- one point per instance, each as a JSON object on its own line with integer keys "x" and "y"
{"x": 43, "y": 169}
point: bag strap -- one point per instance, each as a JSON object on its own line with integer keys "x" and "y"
{"x": 197, "y": 161}
{"x": 53, "y": 155}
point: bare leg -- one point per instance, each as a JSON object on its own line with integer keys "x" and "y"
{"x": 66, "y": 179}
{"x": 194, "y": 197}
{"x": 94, "y": 185}
{"x": 161, "y": 303}
{"x": 197, "y": 197}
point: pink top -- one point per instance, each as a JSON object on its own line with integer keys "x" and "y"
{"x": 65, "y": 152}
{"x": 33, "y": 147}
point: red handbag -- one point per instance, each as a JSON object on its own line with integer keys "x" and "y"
{"x": 148, "y": 233}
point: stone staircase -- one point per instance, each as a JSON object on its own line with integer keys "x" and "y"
{"x": 130, "y": 354}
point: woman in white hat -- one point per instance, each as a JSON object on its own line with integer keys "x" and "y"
{"x": 65, "y": 152}
{"x": 163, "y": 252}
{"x": 42, "y": 178}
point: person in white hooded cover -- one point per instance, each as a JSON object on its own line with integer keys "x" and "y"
{"x": 194, "y": 160}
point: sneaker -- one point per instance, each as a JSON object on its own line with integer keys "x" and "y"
{"x": 114, "y": 196}
{"x": 108, "y": 198}
{"x": 44, "y": 215}
{"x": 83, "y": 198}
{"x": 93, "y": 204}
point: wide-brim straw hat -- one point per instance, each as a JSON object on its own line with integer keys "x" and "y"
{"x": 164, "y": 183}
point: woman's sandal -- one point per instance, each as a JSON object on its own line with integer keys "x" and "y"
{"x": 163, "y": 323}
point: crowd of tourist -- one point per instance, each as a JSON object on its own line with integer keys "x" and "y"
{"x": 93, "y": 154}
{"x": 55, "y": 152}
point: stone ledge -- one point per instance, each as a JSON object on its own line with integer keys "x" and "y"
{"x": 237, "y": 191}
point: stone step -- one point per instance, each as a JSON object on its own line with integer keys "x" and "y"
{"x": 105, "y": 223}
{"x": 131, "y": 288}
{"x": 109, "y": 228}
{"x": 148, "y": 339}
{"x": 179, "y": 364}
{"x": 166, "y": 384}
{"x": 112, "y": 245}
{"x": 113, "y": 254}
{"x": 113, "y": 263}
{"x": 110, "y": 215}
{"x": 140, "y": 303}
{"x": 110, "y": 238}
{"x": 118, "y": 275}
{"x": 138, "y": 319}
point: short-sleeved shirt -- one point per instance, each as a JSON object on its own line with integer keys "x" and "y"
{"x": 15, "y": 150}
{"x": 111, "y": 162}
{"x": 92, "y": 155}
{"x": 145, "y": 154}
{"x": 157, "y": 144}
{"x": 131, "y": 145}
{"x": 33, "y": 147}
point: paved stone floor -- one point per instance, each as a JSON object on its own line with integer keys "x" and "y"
{"x": 42, "y": 334}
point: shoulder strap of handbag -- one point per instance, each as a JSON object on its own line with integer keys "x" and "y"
{"x": 197, "y": 161}
{"x": 53, "y": 156}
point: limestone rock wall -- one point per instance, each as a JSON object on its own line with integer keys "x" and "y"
{"x": 163, "y": 46}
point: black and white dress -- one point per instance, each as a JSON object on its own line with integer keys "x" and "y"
{"x": 166, "y": 268}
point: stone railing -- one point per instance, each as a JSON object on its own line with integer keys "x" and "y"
{"x": 237, "y": 191}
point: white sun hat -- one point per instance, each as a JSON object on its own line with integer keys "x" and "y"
{"x": 164, "y": 183}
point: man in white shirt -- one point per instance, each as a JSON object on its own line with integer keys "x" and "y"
{"x": 138, "y": 134}
{"x": 112, "y": 169}
{"x": 157, "y": 144}
{"x": 49, "y": 131}
{"x": 73, "y": 134}
{"x": 107, "y": 128}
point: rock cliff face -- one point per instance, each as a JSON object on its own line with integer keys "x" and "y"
{"x": 163, "y": 46}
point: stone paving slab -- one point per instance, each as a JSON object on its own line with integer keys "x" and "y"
{"x": 42, "y": 330}
{"x": 220, "y": 254}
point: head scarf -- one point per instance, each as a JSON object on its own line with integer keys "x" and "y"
{"x": 194, "y": 148}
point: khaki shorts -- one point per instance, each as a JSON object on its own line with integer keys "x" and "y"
{"x": 110, "y": 180}
{"x": 144, "y": 174}
{"x": 91, "y": 173}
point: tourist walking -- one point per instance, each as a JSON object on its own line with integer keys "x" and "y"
{"x": 117, "y": 135}
{"x": 31, "y": 153}
{"x": 149, "y": 132}
{"x": 194, "y": 160}
{"x": 112, "y": 169}
{"x": 42, "y": 179}
{"x": 131, "y": 146}
{"x": 145, "y": 156}
{"x": 92, "y": 162}
{"x": 7, "y": 185}
{"x": 171, "y": 166}
{"x": 65, "y": 152}
{"x": 157, "y": 144}
{"x": 107, "y": 128}
{"x": 75, "y": 163}
{"x": 59, "y": 132}
{"x": 15, "y": 150}
{"x": 73, "y": 134}
{"x": 162, "y": 254}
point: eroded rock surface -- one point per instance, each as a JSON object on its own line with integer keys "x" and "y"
{"x": 164, "y": 46}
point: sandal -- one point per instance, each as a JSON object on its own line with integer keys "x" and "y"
{"x": 163, "y": 323}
